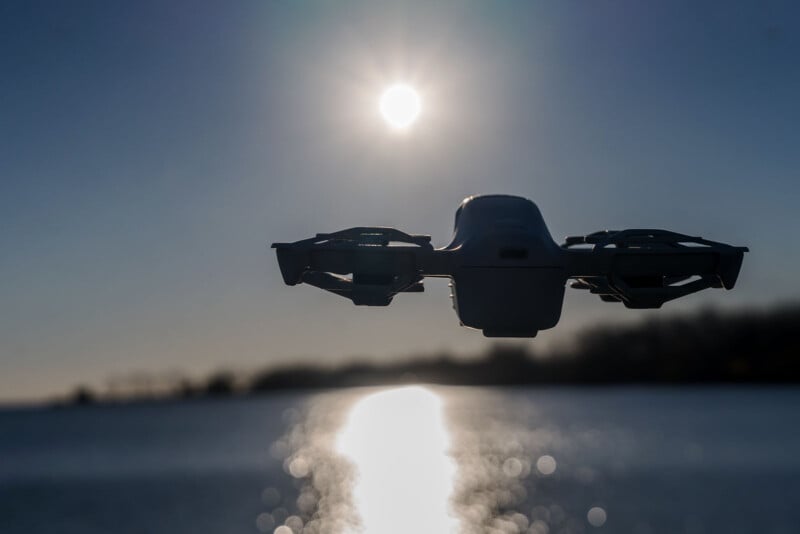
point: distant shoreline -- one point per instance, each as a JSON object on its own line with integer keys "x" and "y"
{"x": 248, "y": 396}
{"x": 705, "y": 348}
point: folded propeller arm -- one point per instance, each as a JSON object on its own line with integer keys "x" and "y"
{"x": 368, "y": 265}
{"x": 644, "y": 268}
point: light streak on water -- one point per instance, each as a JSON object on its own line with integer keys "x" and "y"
{"x": 398, "y": 443}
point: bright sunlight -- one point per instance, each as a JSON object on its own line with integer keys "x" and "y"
{"x": 400, "y": 106}
{"x": 398, "y": 443}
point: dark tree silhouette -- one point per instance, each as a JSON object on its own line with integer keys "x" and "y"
{"x": 705, "y": 347}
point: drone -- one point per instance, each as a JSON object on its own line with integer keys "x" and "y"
{"x": 507, "y": 274}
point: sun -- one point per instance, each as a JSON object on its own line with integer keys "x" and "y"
{"x": 400, "y": 106}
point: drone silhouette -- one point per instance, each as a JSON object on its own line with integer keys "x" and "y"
{"x": 507, "y": 274}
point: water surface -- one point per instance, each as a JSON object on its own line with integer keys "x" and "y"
{"x": 421, "y": 459}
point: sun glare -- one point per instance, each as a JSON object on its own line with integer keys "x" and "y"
{"x": 398, "y": 443}
{"x": 400, "y": 106}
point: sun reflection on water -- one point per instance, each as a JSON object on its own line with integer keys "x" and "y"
{"x": 399, "y": 446}
{"x": 395, "y": 461}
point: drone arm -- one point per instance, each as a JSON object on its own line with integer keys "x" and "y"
{"x": 367, "y": 265}
{"x": 645, "y": 268}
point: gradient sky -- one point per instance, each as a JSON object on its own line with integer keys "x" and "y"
{"x": 151, "y": 151}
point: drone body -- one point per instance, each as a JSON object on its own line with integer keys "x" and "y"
{"x": 508, "y": 275}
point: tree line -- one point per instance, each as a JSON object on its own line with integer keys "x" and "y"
{"x": 702, "y": 347}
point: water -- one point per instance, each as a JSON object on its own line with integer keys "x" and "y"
{"x": 539, "y": 461}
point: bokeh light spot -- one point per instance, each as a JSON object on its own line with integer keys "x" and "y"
{"x": 546, "y": 464}
{"x": 596, "y": 516}
{"x": 265, "y": 522}
{"x": 295, "y": 523}
{"x": 298, "y": 468}
{"x": 512, "y": 467}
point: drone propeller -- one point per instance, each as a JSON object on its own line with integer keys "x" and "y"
{"x": 646, "y": 268}
{"x": 368, "y": 265}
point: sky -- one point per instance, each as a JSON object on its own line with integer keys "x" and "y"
{"x": 150, "y": 152}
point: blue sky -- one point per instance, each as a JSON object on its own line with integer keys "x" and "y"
{"x": 150, "y": 152}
